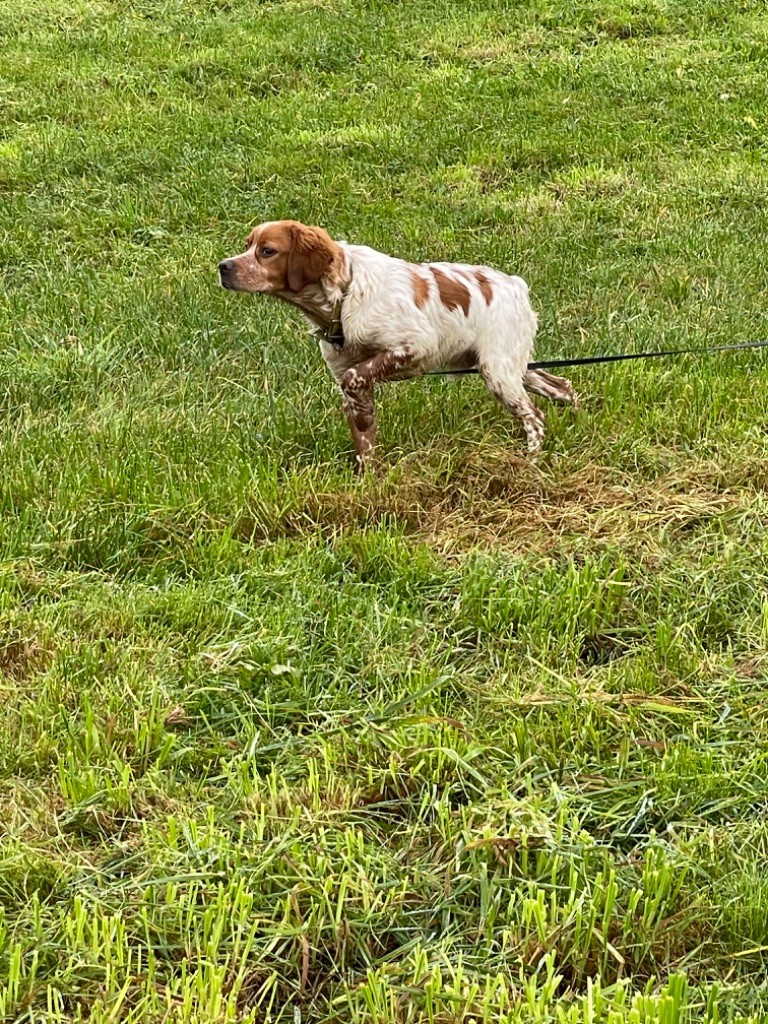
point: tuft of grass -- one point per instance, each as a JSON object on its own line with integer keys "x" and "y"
{"x": 472, "y": 740}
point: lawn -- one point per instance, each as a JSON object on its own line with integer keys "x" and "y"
{"x": 478, "y": 739}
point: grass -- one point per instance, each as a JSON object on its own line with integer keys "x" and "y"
{"x": 476, "y": 740}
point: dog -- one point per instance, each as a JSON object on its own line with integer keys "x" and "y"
{"x": 380, "y": 318}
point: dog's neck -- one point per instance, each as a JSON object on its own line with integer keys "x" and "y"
{"x": 320, "y": 301}
{"x": 313, "y": 302}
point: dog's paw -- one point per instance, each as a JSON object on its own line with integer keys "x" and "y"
{"x": 364, "y": 465}
{"x": 367, "y": 461}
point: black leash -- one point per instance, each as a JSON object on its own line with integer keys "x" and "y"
{"x": 548, "y": 364}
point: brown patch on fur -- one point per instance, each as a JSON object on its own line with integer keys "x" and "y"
{"x": 485, "y": 286}
{"x": 310, "y": 256}
{"x": 420, "y": 289}
{"x": 453, "y": 294}
{"x": 384, "y": 366}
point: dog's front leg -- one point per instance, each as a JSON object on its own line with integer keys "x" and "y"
{"x": 361, "y": 415}
{"x": 357, "y": 388}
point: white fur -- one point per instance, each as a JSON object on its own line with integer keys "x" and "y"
{"x": 379, "y": 313}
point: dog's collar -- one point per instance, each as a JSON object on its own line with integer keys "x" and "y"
{"x": 334, "y": 333}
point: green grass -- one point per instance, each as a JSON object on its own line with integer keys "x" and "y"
{"x": 475, "y": 740}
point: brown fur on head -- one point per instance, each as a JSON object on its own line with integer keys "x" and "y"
{"x": 283, "y": 258}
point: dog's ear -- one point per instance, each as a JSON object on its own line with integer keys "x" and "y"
{"x": 311, "y": 254}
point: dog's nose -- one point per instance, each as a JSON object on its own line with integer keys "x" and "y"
{"x": 225, "y": 267}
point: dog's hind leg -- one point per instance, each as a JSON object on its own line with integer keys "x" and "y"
{"x": 511, "y": 394}
{"x": 557, "y": 389}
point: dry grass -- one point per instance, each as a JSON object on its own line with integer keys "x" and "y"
{"x": 500, "y": 499}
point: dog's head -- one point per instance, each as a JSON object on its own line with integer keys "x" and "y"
{"x": 282, "y": 258}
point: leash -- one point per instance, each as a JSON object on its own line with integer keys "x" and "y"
{"x": 548, "y": 364}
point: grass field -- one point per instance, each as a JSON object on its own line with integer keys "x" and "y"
{"x": 477, "y": 739}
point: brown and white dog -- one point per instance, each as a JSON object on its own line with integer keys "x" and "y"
{"x": 381, "y": 318}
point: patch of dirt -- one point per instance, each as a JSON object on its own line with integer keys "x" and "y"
{"x": 605, "y": 647}
{"x": 503, "y": 499}
{"x": 21, "y": 658}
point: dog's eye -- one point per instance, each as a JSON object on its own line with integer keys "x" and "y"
{"x": 266, "y": 251}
